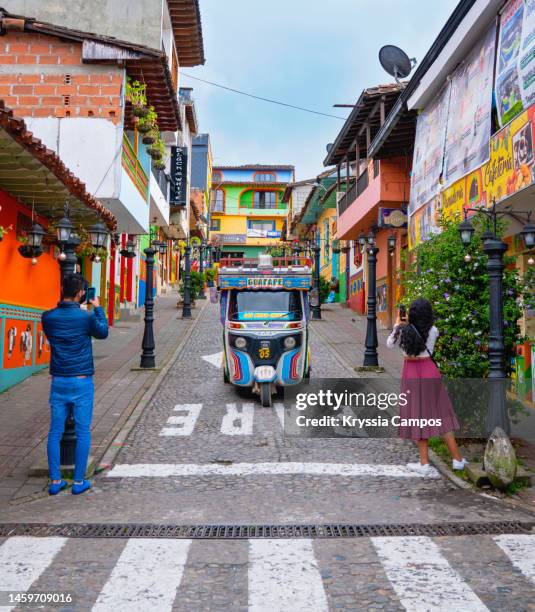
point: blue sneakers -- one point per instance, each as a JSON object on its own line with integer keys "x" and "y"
{"x": 55, "y": 487}
{"x": 80, "y": 487}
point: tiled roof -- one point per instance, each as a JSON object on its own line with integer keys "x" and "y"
{"x": 186, "y": 21}
{"x": 35, "y": 175}
{"x": 256, "y": 167}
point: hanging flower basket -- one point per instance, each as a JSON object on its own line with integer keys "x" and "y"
{"x": 148, "y": 139}
{"x": 29, "y": 252}
{"x": 140, "y": 111}
{"x": 144, "y": 128}
{"x": 159, "y": 164}
{"x": 155, "y": 152}
{"x": 336, "y": 246}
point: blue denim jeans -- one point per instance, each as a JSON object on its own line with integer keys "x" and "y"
{"x": 78, "y": 393}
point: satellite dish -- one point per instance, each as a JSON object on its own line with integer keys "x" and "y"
{"x": 396, "y": 62}
{"x": 329, "y": 147}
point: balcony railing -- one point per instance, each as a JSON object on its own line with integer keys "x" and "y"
{"x": 358, "y": 187}
{"x": 134, "y": 169}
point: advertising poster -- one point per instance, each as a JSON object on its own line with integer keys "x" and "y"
{"x": 515, "y": 73}
{"x": 381, "y": 294}
{"x": 42, "y": 347}
{"x": 429, "y": 150}
{"x": 424, "y": 223}
{"x": 18, "y": 343}
{"x": 469, "y": 118}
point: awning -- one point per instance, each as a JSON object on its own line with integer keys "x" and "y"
{"x": 37, "y": 177}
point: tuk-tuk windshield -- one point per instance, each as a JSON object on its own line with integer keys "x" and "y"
{"x": 264, "y": 305}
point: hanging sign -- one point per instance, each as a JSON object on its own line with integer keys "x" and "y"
{"x": 179, "y": 176}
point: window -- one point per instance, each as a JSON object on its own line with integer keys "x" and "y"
{"x": 264, "y": 303}
{"x": 265, "y": 199}
{"x": 265, "y": 177}
{"x": 217, "y": 177}
{"x": 257, "y": 228}
{"x": 215, "y": 225}
{"x": 217, "y": 200}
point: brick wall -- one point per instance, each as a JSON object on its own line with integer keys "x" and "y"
{"x": 43, "y": 76}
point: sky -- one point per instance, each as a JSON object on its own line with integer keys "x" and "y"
{"x": 309, "y": 53}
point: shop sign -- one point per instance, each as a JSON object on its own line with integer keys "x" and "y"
{"x": 230, "y": 238}
{"x": 392, "y": 217}
{"x": 179, "y": 176}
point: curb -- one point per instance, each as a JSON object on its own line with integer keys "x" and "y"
{"x": 462, "y": 484}
{"x": 115, "y": 446}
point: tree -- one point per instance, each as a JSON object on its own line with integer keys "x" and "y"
{"x": 459, "y": 292}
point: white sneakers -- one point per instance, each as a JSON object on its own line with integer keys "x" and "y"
{"x": 427, "y": 470}
{"x": 423, "y": 470}
{"x": 459, "y": 465}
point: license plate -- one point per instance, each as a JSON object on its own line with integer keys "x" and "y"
{"x": 264, "y": 350}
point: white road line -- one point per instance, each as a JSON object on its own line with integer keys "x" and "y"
{"x": 186, "y": 422}
{"x": 216, "y": 359}
{"x": 164, "y": 470}
{"x": 279, "y": 410}
{"x": 284, "y": 575}
{"x": 23, "y": 559}
{"x": 238, "y": 422}
{"x": 521, "y": 550}
{"x": 422, "y": 578}
{"x": 145, "y": 577}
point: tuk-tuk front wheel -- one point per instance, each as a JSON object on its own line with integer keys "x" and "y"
{"x": 265, "y": 395}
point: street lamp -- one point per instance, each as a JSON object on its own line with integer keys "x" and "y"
{"x": 186, "y": 303}
{"x": 495, "y": 249}
{"x": 391, "y": 242}
{"x": 148, "y": 359}
{"x": 130, "y": 250}
{"x": 316, "y": 308}
{"x": 98, "y": 234}
{"x": 370, "y": 353}
{"x": 346, "y": 250}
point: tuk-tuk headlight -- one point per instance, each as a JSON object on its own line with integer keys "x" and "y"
{"x": 240, "y": 342}
{"x": 289, "y": 342}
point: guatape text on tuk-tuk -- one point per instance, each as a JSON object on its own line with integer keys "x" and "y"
{"x": 265, "y": 313}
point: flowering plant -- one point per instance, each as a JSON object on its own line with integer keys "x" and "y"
{"x": 458, "y": 288}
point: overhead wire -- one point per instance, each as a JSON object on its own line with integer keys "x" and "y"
{"x": 261, "y": 98}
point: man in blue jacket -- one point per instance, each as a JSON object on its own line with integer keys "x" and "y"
{"x": 69, "y": 330}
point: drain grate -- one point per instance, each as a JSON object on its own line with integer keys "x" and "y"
{"x": 336, "y": 530}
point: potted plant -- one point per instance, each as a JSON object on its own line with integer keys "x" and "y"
{"x": 136, "y": 95}
{"x": 336, "y": 246}
{"x": 159, "y": 164}
{"x": 151, "y": 137}
{"x": 209, "y": 274}
{"x": 157, "y": 149}
{"x": 147, "y": 123}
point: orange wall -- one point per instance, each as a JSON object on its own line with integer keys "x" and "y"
{"x": 22, "y": 283}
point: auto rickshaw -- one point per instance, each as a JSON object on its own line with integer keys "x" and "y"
{"x": 265, "y": 314}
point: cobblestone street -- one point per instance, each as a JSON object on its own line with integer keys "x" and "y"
{"x": 202, "y": 454}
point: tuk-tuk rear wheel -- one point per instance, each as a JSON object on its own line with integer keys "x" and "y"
{"x": 265, "y": 395}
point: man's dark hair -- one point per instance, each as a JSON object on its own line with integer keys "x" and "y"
{"x": 71, "y": 284}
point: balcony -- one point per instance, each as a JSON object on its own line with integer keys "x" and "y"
{"x": 134, "y": 169}
{"x": 358, "y": 209}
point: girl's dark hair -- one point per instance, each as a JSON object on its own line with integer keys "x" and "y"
{"x": 414, "y": 334}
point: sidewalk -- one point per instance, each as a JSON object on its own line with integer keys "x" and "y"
{"x": 24, "y": 412}
{"x": 345, "y": 331}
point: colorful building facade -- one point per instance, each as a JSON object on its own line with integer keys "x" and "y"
{"x": 247, "y": 211}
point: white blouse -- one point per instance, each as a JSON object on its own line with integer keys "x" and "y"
{"x": 392, "y": 341}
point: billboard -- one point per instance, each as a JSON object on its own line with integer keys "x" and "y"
{"x": 470, "y": 111}
{"x": 515, "y": 68}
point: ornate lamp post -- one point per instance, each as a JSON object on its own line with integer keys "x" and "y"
{"x": 346, "y": 250}
{"x": 202, "y": 247}
{"x": 148, "y": 345}
{"x": 316, "y": 308}
{"x": 186, "y": 304}
{"x": 495, "y": 249}
{"x": 370, "y": 353}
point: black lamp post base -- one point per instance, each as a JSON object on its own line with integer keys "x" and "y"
{"x": 147, "y": 361}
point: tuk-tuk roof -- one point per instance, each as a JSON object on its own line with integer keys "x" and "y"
{"x": 266, "y": 273}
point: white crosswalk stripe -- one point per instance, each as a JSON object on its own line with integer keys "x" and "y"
{"x": 238, "y": 422}
{"x": 183, "y": 425}
{"x": 146, "y": 577}
{"x": 284, "y": 575}
{"x": 520, "y": 549}
{"x": 152, "y": 574}
{"x": 165, "y": 470}
{"x": 24, "y": 559}
{"x": 422, "y": 578}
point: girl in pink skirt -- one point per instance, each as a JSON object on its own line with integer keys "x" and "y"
{"x": 420, "y": 380}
